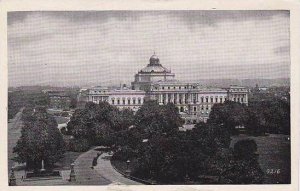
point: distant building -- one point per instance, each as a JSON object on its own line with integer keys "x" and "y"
{"x": 58, "y": 99}
{"x": 122, "y": 98}
{"x": 155, "y": 82}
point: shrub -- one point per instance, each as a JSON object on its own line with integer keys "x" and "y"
{"x": 65, "y": 114}
{"x": 79, "y": 145}
{"x": 244, "y": 149}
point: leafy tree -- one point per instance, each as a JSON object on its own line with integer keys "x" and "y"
{"x": 40, "y": 140}
{"x": 98, "y": 122}
{"x": 271, "y": 115}
{"x": 153, "y": 118}
{"x": 73, "y": 102}
{"x": 244, "y": 168}
{"x": 230, "y": 114}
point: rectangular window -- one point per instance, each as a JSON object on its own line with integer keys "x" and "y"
{"x": 221, "y": 100}
{"x": 128, "y": 101}
{"x": 139, "y": 101}
{"x": 118, "y": 101}
{"x": 123, "y": 101}
{"x": 133, "y": 102}
{"x": 211, "y": 100}
{"x": 216, "y": 100}
{"x": 113, "y": 102}
{"x": 207, "y": 100}
{"x": 195, "y": 108}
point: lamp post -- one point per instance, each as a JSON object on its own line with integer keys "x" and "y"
{"x": 72, "y": 173}
{"x": 127, "y": 172}
{"x": 12, "y": 178}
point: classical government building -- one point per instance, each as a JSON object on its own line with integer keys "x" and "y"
{"x": 155, "y": 82}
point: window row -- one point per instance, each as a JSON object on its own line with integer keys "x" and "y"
{"x": 127, "y": 101}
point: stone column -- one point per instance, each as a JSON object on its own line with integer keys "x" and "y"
{"x": 167, "y": 98}
{"x": 160, "y": 98}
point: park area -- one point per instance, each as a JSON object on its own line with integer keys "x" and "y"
{"x": 274, "y": 157}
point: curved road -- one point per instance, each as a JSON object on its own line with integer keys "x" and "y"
{"x": 106, "y": 170}
{"x": 102, "y": 174}
{"x": 85, "y": 175}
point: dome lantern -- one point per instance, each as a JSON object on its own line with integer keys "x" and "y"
{"x": 154, "y": 60}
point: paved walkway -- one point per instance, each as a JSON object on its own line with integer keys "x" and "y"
{"x": 85, "y": 175}
{"x": 106, "y": 170}
{"x": 14, "y": 132}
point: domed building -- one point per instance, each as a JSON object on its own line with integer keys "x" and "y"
{"x": 153, "y": 72}
{"x": 155, "y": 82}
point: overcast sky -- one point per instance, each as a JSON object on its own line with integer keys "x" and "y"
{"x": 109, "y": 47}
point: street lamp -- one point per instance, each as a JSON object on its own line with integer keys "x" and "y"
{"x": 127, "y": 172}
{"x": 12, "y": 178}
{"x": 72, "y": 174}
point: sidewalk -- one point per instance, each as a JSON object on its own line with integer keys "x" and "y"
{"x": 106, "y": 170}
{"x": 85, "y": 175}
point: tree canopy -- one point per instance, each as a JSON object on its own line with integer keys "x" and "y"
{"x": 40, "y": 140}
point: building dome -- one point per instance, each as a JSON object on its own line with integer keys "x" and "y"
{"x": 154, "y": 60}
{"x": 155, "y": 66}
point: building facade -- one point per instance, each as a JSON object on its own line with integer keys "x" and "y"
{"x": 155, "y": 82}
{"x": 123, "y": 98}
{"x": 58, "y": 99}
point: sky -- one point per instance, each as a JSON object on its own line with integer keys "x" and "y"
{"x": 110, "y": 47}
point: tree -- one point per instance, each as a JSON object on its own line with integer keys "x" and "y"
{"x": 230, "y": 114}
{"x": 244, "y": 168}
{"x": 40, "y": 140}
{"x": 152, "y": 118}
{"x": 97, "y": 122}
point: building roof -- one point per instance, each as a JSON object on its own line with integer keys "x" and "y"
{"x": 154, "y": 66}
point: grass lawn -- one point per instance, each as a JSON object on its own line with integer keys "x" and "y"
{"x": 274, "y": 154}
{"x": 67, "y": 160}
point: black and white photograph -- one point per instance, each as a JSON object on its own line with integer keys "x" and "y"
{"x": 148, "y": 97}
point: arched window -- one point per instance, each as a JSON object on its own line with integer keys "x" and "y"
{"x": 128, "y": 101}
{"x": 113, "y": 101}
{"x": 181, "y": 109}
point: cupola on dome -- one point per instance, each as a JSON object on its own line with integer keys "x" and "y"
{"x": 154, "y": 66}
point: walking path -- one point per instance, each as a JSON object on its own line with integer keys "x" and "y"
{"x": 106, "y": 170}
{"x": 14, "y": 132}
{"x": 85, "y": 175}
